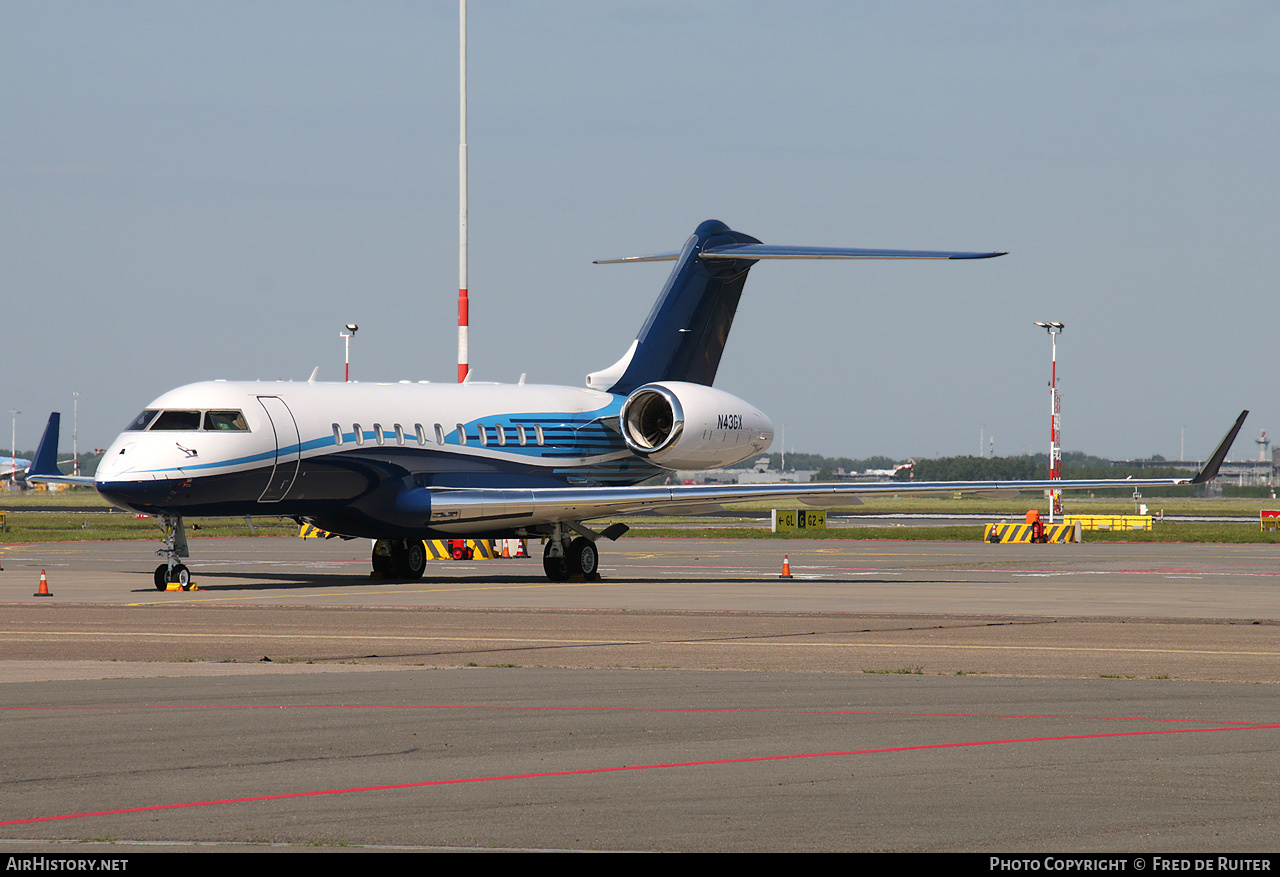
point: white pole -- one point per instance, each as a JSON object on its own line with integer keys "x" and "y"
{"x": 13, "y": 446}
{"x": 75, "y": 430}
{"x": 464, "y": 304}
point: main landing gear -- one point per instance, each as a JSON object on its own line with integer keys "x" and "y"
{"x": 566, "y": 557}
{"x": 580, "y": 557}
{"x": 174, "y": 547}
{"x": 399, "y": 558}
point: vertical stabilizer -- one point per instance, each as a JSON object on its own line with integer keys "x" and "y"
{"x": 46, "y": 458}
{"x": 684, "y": 336}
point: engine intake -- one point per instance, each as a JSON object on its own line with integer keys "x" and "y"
{"x": 679, "y": 425}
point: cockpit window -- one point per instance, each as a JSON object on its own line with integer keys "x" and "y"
{"x": 226, "y": 420}
{"x": 177, "y": 420}
{"x": 141, "y": 421}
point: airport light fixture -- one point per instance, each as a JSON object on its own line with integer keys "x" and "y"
{"x": 346, "y": 336}
{"x": 1055, "y": 419}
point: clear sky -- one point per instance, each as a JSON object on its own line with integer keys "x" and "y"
{"x": 211, "y": 190}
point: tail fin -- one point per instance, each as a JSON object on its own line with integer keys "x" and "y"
{"x": 685, "y": 334}
{"x": 684, "y": 337}
{"x": 46, "y": 459}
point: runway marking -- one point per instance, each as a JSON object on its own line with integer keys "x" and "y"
{"x": 626, "y": 769}
{"x": 31, "y": 635}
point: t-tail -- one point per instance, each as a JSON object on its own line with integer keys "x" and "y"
{"x": 685, "y": 334}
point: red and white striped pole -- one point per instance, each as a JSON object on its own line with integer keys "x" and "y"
{"x": 1055, "y": 421}
{"x": 464, "y": 304}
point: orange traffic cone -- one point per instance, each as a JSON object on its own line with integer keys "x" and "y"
{"x": 786, "y": 567}
{"x": 506, "y": 550}
{"x": 44, "y": 586}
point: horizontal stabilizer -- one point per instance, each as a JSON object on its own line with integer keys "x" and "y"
{"x": 755, "y": 252}
{"x": 776, "y": 251}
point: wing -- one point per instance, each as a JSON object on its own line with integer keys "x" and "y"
{"x": 466, "y": 509}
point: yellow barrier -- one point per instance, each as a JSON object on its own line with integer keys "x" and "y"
{"x": 1008, "y": 533}
{"x": 1110, "y": 522}
{"x": 437, "y": 549}
{"x": 481, "y": 549}
{"x": 1268, "y": 518}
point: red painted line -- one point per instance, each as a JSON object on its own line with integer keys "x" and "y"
{"x": 603, "y": 770}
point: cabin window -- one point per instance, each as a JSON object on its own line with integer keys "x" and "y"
{"x": 484, "y": 433}
{"x": 377, "y": 433}
{"x": 537, "y": 429}
{"x": 502, "y": 434}
{"x": 439, "y": 434}
{"x": 399, "y": 433}
{"x": 421, "y": 433}
{"x": 462, "y": 435}
{"x": 356, "y": 428}
{"x": 524, "y": 438}
{"x": 141, "y": 421}
{"x": 177, "y": 420}
{"x": 226, "y": 420}
{"x": 337, "y": 434}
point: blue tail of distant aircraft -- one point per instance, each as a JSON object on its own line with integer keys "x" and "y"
{"x": 684, "y": 336}
{"x": 46, "y": 459}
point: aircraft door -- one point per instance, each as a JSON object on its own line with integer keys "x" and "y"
{"x": 288, "y": 449}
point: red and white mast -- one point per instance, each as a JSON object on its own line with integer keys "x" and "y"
{"x": 464, "y": 305}
{"x": 1055, "y": 421}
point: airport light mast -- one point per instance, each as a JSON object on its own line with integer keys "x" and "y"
{"x": 346, "y": 337}
{"x": 1055, "y": 420}
{"x": 13, "y": 444}
{"x": 75, "y": 431}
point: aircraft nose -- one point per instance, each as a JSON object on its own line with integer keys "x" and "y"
{"x": 141, "y": 496}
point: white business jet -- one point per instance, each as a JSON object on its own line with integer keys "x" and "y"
{"x": 401, "y": 463}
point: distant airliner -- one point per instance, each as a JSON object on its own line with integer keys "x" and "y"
{"x": 13, "y": 468}
{"x": 400, "y": 463}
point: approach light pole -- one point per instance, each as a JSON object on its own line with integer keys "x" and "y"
{"x": 1055, "y": 420}
{"x": 346, "y": 337}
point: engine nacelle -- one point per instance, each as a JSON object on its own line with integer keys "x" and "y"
{"x": 677, "y": 425}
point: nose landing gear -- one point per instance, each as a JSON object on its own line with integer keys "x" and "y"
{"x": 174, "y": 547}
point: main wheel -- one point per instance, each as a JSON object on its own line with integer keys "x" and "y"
{"x": 162, "y": 577}
{"x": 583, "y": 556}
{"x": 557, "y": 569}
{"x": 412, "y": 560}
{"x": 382, "y": 562}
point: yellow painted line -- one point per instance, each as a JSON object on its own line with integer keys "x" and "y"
{"x": 37, "y": 635}
{"x": 77, "y": 634}
{"x": 346, "y": 591}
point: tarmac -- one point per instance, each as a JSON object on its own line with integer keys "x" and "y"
{"x": 918, "y": 696}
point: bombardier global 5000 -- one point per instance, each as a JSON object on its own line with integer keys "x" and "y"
{"x": 403, "y": 462}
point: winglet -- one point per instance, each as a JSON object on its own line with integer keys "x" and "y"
{"x": 46, "y": 458}
{"x": 1210, "y": 470}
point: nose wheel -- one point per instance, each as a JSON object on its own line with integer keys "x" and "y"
{"x": 179, "y": 575}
